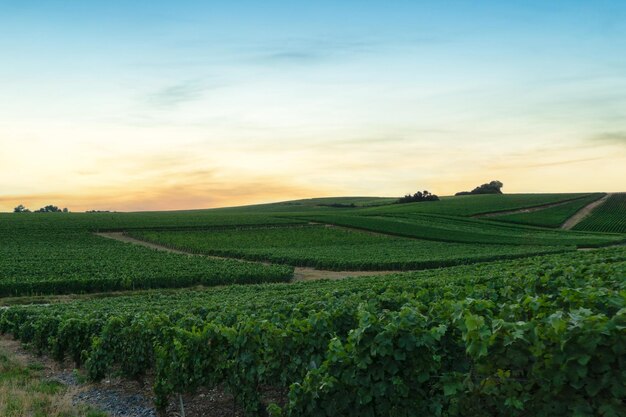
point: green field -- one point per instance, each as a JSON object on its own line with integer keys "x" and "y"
{"x": 473, "y": 332}
{"x": 63, "y": 264}
{"x": 59, "y": 254}
{"x": 336, "y": 249}
{"x": 552, "y": 216}
{"x": 464, "y": 230}
{"x": 91, "y": 222}
{"x": 470, "y": 205}
{"x": 249, "y": 273}
{"x": 609, "y": 217}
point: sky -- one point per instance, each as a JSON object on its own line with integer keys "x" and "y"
{"x": 160, "y": 105}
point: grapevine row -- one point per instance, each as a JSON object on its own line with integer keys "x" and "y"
{"x": 540, "y": 336}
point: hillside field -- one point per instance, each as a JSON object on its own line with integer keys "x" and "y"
{"x": 485, "y": 306}
{"x": 607, "y": 218}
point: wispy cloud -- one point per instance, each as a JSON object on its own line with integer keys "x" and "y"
{"x": 562, "y": 162}
{"x": 617, "y": 137}
{"x": 307, "y": 51}
{"x": 285, "y": 50}
{"x": 176, "y": 94}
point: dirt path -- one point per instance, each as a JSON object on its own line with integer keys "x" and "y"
{"x": 526, "y": 210}
{"x": 300, "y": 273}
{"x": 312, "y": 274}
{"x": 581, "y": 214}
{"x": 359, "y": 230}
{"x": 120, "y": 236}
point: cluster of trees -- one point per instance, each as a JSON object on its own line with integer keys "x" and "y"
{"x": 418, "y": 197}
{"x": 47, "y": 209}
{"x": 493, "y": 187}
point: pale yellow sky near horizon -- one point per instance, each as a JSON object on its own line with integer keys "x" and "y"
{"x": 172, "y": 158}
{"x": 151, "y": 174}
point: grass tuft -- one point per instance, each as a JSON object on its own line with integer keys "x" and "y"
{"x": 26, "y": 392}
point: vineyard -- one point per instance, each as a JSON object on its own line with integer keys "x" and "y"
{"x": 481, "y": 317}
{"x": 471, "y": 205}
{"x": 312, "y": 208}
{"x": 445, "y": 342}
{"x": 333, "y": 248}
{"x": 53, "y": 264}
{"x": 610, "y": 217}
{"x": 552, "y": 216}
{"x": 464, "y": 230}
{"x": 177, "y": 220}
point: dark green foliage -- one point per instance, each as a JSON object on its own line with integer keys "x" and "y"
{"x": 418, "y": 197}
{"x": 51, "y": 209}
{"x": 542, "y": 337}
{"x": 493, "y": 187}
{"x": 21, "y": 209}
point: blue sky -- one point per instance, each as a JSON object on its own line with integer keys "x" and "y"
{"x": 159, "y": 105}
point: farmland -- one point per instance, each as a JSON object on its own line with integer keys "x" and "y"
{"x": 464, "y": 230}
{"x": 471, "y": 205}
{"x": 312, "y": 209}
{"x": 609, "y": 217}
{"x": 451, "y": 328}
{"x": 551, "y": 216}
{"x": 57, "y": 263}
{"x": 461, "y": 326}
{"x": 332, "y": 248}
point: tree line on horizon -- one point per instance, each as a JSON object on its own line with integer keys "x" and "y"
{"x": 46, "y": 209}
{"x": 493, "y": 187}
{"x": 418, "y": 197}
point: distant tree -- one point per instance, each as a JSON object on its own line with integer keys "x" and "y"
{"x": 52, "y": 209}
{"x": 493, "y": 187}
{"x": 418, "y": 197}
{"x": 21, "y": 209}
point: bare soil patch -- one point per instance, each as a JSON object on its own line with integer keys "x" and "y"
{"x": 312, "y": 274}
